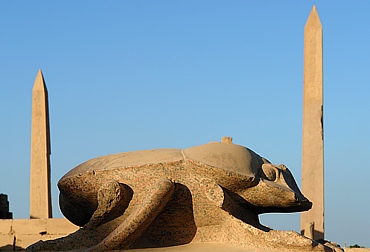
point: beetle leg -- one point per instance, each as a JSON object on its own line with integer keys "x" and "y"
{"x": 221, "y": 198}
{"x": 213, "y": 191}
{"x": 135, "y": 224}
{"x": 110, "y": 199}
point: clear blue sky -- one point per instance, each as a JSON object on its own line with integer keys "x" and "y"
{"x": 129, "y": 75}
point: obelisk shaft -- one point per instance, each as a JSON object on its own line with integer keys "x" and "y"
{"x": 312, "y": 222}
{"x": 40, "y": 198}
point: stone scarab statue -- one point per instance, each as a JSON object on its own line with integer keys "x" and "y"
{"x": 169, "y": 197}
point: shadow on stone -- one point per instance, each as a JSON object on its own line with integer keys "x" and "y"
{"x": 175, "y": 225}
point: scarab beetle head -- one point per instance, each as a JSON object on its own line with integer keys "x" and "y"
{"x": 249, "y": 178}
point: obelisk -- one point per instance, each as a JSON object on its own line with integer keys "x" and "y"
{"x": 312, "y": 221}
{"x": 40, "y": 198}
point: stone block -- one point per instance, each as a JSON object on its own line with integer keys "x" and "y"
{"x": 6, "y": 240}
{"x": 24, "y": 240}
{"x": 29, "y": 226}
{"x": 5, "y": 226}
{"x": 60, "y": 226}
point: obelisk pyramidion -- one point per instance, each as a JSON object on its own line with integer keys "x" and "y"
{"x": 40, "y": 198}
{"x": 312, "y": 221}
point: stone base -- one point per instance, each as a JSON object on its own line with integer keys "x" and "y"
{"x": 20, "y": 233}
{"x": 200, "y": 247}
